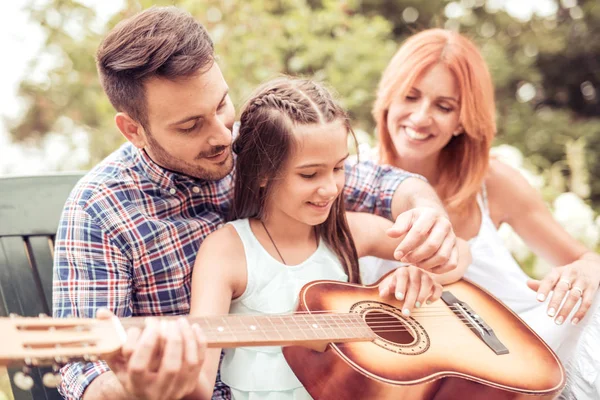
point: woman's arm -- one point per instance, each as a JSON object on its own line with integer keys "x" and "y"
{"x": 371, "y": 239}
{"x": 514, "y": 201}
{"x": 219, "y": 275}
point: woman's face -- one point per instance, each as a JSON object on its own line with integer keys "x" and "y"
{"x": 423, "y": 122}
{"x": 313, "y": 176}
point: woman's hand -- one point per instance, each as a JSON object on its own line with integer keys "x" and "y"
{"x": 576, "y": 281}
{"x": 412, "y": 285}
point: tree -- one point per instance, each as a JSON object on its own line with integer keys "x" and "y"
{"x": 545, "y": 69}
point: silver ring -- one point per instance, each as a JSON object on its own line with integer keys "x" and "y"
{"x": 580, "y": 290}
{"x": 568, "y": 282}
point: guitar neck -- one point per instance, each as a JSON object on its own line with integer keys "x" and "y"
{"x": 42, "y": 341}
{"x": 275, "y": 330}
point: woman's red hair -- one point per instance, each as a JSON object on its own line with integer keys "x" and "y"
{"x": 464, "y": 161}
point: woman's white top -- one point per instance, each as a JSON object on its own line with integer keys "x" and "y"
{"x": 261, "y": 373}
{"x": 494, "y": 268}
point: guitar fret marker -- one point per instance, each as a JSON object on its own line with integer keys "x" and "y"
{"x": 220, "y": 329}
{"x": 252, "y": 327}
{"x": 315, "y": 326}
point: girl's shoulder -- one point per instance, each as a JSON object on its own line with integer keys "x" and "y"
{"x": 223, "y": 241}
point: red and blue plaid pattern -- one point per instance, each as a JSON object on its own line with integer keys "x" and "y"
{"x": 130, "y": 231}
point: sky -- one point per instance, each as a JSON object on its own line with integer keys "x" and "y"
{"x": 22, "y": 39}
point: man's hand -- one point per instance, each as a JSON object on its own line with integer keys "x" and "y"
{"x": 427, "y": 239}
{"x": 162, "y": 361}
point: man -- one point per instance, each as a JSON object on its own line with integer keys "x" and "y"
{"x": 132, "y": 226}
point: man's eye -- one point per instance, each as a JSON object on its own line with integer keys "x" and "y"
{"x": 190, "y": 129}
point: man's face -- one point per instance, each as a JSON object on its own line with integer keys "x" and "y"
{"x": 189, "y": 124}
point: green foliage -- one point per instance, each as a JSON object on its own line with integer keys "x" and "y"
{"x": 347, "y": 43}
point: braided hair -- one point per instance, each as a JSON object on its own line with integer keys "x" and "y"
{"x": 266, "y": 140}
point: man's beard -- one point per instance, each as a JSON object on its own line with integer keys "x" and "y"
{"x": 161, "y": 157}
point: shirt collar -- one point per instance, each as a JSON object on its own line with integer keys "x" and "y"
{"x": 162, "y": 177}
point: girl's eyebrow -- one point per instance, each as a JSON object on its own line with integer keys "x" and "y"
{"x": 321, "y": 165}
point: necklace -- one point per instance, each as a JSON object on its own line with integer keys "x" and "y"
{"x": 272, "y": 241}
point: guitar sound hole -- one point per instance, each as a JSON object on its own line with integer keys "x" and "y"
{"x": 389, "y": 327}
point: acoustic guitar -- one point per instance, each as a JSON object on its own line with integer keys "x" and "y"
{"x": 344, "y": 342}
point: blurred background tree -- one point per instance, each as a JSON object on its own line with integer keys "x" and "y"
{"x": 545, "y": 68}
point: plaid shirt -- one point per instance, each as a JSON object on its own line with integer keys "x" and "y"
{"x": 130, "y": 231}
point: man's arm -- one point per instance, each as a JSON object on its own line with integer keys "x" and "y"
{"x": 373, "y": 188}
{"x": 425, "y": 234}
{"x": 89, "y": 272}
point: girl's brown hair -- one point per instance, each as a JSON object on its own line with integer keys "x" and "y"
{"x": 266, "y": 141}
{"x": 464, "y": 161}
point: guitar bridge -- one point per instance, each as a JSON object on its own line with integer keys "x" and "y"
{"x": 474, "y": 322}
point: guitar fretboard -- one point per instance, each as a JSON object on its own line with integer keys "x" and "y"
{"x": 231, "y": 330}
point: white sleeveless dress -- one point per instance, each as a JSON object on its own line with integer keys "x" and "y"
{"x": 494, "y": 268}
{"x": 261, "y": 373}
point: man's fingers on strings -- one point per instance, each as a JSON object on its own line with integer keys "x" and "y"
{"x": 190, "y": 349}
{"x": 133, "y": 337}
{"x": 140, "y": 361}
{"x": 201, "y": 342}
{"x": 191, "y": 359}
{"x": 172, "y": 359}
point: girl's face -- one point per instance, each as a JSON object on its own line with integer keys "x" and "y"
{"x": 423, "y": 122}
{"x": 313, "y": 176}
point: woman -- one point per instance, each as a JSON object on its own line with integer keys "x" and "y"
{"x": 289, "y": 229}
{"x": 435, "y": 116}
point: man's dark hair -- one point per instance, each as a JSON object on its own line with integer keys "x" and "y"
{"x": 160, "y": 41}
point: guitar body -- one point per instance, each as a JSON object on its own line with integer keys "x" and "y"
{"x": 431, "y": 355}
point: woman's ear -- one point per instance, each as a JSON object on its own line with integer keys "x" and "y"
{"x": 459, "y": 131}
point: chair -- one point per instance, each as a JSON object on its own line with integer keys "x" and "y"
{"x": 30, "y": 208}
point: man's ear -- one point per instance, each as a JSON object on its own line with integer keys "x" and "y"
{"x": 131, "y": 129}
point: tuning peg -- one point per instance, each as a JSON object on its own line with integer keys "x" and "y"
{"x": 43, "y": 315}
{"x": 13, "y": 315}
{"x": 23, "y": 380}
{"x": 51, "y": 379}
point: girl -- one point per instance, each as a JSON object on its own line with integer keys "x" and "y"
{"x": 435, "y": 116}
{"x": 289, "y": 229}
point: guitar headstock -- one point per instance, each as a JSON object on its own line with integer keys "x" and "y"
{"x": 57, "y": 341}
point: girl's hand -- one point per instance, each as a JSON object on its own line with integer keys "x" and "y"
{"x": 412, "y": 285}
{"x": 577, "y": 281}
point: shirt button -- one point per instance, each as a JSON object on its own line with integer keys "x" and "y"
{"x": 196, "y": 189}
{"x": 219, "y": 226}
{"x": 172, "y": 191}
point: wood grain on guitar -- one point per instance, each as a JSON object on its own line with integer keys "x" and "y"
{"x": 345, "y": 342}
